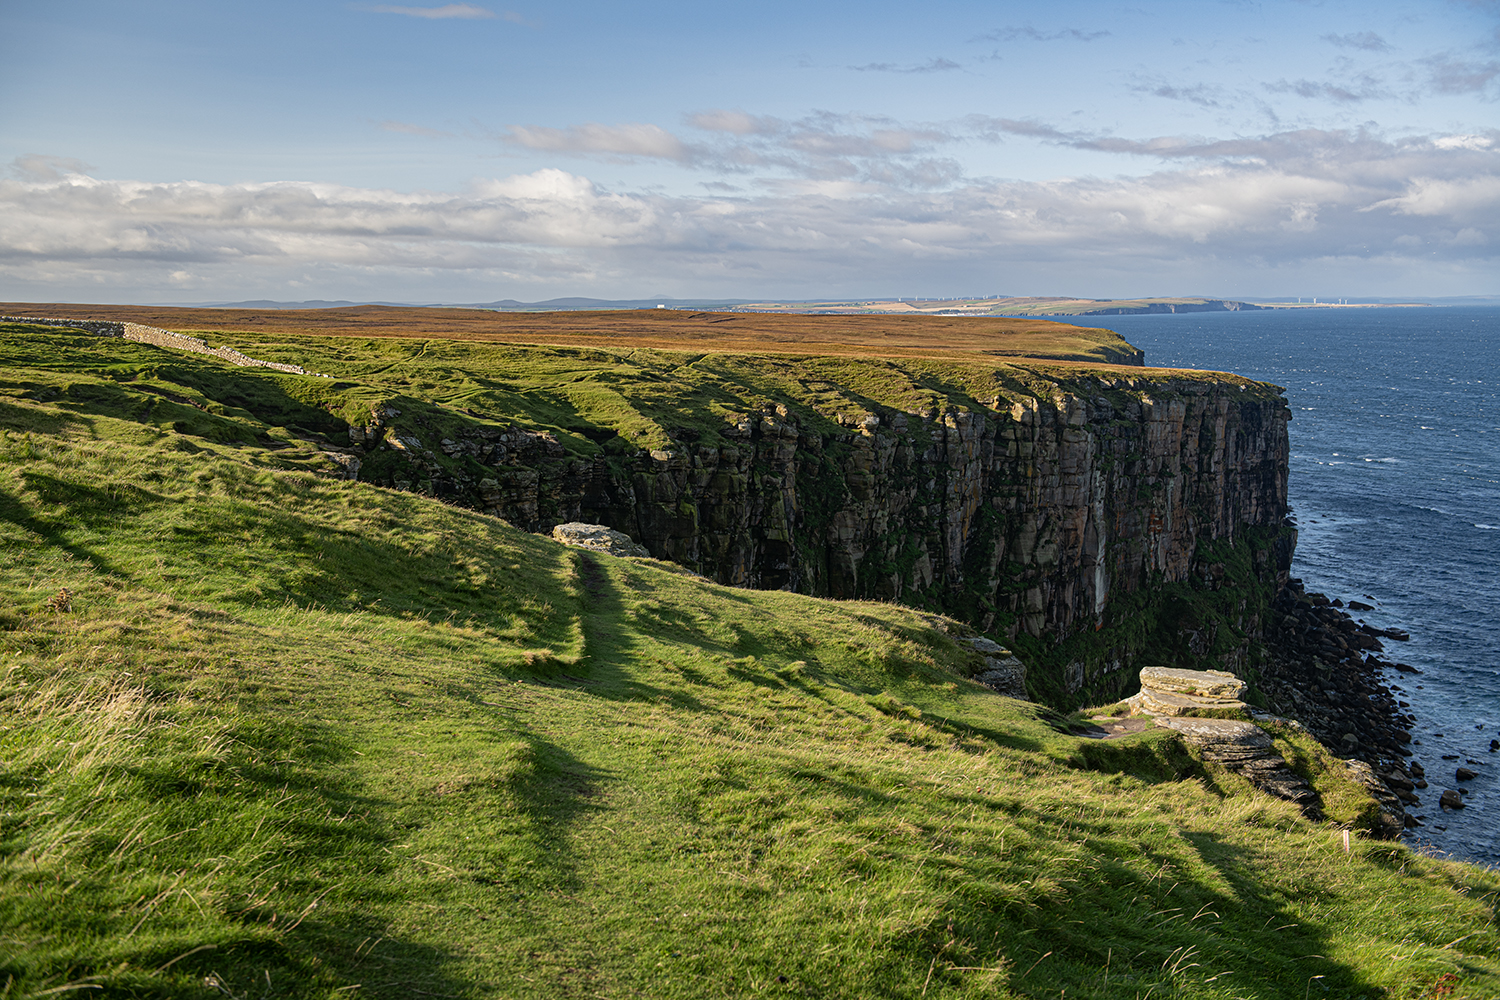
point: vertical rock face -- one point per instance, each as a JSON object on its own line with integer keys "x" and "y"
{"x": 1045, "y": 516}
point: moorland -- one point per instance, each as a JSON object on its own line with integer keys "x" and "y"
{"x": 896, "y": 336}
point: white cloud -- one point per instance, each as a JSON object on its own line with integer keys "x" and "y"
{"x": 40, "y": 167}
{"x": 461, "y": 11}
{"x": 821, "y": 146}
{"x": 1215, "y": 210}
{"x": 934, "y": 65}
{"x": 1028, "y": 33}
{"x": 632, "y": 139}
{"x": 1460, "y": 198}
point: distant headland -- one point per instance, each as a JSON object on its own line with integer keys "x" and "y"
{"x": 1048, "y": 305}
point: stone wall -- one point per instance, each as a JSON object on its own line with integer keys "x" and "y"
{"x": 158, "y": 338}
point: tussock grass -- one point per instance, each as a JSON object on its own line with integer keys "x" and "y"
{"x": 294, "y": 736}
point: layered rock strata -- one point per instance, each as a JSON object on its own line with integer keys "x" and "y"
{"x": 1171, "y": 692}
{"x": 1247, "y": 750}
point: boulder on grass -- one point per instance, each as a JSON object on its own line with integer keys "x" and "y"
{"x": 598, "y": 538}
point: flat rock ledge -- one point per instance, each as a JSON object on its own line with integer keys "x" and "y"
{"x": 598, "y": 538}
{"x": 1247, "y": 750}
{"x": 1172, "y": 692}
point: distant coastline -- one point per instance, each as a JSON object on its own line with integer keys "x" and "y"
{"x": 1038, "y": 306}
{"x": 1051, "y": 306}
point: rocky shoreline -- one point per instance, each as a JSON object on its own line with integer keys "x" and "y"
{"x": 1326, "y": 671}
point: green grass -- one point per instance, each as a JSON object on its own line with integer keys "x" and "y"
{"x": 290, "y": 736}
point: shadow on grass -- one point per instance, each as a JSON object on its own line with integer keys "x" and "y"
{"x": 15, "y": 512}
{"x": 1159, "y": 927}
{"x": 608, "y": 642}
{"x": 287, "y": 868}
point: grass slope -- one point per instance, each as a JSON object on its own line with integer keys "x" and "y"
{"x": 268, "y": 733}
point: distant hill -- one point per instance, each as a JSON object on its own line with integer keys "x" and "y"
{"x": 309, "y": 304}
{"x": 575, "y": 302}
{"x": 568, "y": 303}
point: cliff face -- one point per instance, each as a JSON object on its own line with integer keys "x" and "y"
{"x": 1093, "y": 519}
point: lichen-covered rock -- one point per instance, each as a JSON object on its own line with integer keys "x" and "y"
{"x": 598, "y": 538}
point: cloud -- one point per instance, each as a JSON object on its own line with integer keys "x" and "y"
{"x": 1366, "y": 41}
{"x": 1288, "y": 203}
{"x": 1449, "y": 74}
{"x": 930, "y": 66}
{"x": 634, "y": 139}
{"x": 735, "y": 122}
{"x": 39, "y": 167}
{"x": 460, "y": 11}
{"x": 1365, "y": 89}
{"x": 1201, "y": 94}
{"x": 823, "y": 146}
{"x": 1028, "y": 33}
{"x": 1457, "y": 198}
{"x": 407, "y": 128}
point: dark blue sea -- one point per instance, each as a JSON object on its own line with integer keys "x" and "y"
{"x": 1395, "y": 485}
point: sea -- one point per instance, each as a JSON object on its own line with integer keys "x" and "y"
{"x": 1395, "y": 487}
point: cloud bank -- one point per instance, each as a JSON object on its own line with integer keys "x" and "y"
{"x": 1390, "y": 210}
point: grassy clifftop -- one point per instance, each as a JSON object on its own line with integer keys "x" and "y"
{"x": 265, "y": 732}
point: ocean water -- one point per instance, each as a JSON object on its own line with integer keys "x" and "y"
{"x": 1395, "y": 485}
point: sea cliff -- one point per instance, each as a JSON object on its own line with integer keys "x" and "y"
{"x": 1091, "y": 517}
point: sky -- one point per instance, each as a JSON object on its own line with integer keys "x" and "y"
{"x": 217, "y": 150}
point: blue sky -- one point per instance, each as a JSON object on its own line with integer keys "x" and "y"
{"x": 195, "y": 151}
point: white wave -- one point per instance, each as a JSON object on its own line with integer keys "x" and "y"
{"x": 1488, "y": 527}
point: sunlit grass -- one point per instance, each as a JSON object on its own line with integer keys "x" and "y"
{"x": 293, "y": 736}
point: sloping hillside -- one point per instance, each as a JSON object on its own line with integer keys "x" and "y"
{"x": 268, "y": 732}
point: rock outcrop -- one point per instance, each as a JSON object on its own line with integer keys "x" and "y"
{"x": 1248, "y": 750}
{"x": 1003, "y": 672}
{"x": 1323, "y": 669}
{"x": 1169, "y": 691}
{"x": 598, "y": 538}
{"x": 1392, "y": 816}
